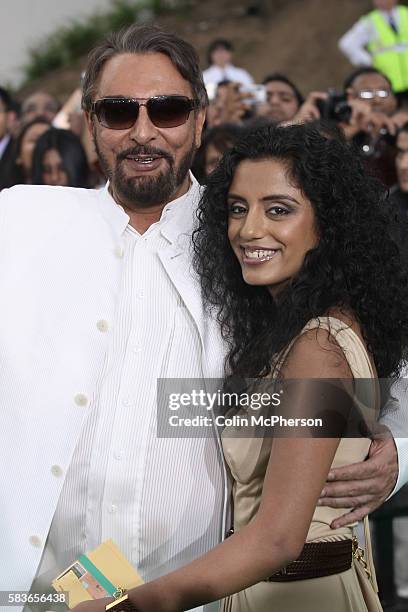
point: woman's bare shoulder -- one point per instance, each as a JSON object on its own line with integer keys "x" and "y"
{"x": 348, "y": 318}
{"x": 315, "y": 354}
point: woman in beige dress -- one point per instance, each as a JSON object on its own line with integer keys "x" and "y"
{"x": 294, "y": 256}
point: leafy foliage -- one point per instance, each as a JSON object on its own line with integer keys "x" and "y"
{"x": 74, "y": 40}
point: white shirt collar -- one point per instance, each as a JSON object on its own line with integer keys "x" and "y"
{"x": 177, "y": 216}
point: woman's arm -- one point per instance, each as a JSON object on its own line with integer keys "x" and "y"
{"x": 295, "y": 476}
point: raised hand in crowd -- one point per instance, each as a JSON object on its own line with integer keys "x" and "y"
{"x": 229, "y": 106}
{"x": 364, "y": 119}
{"x": 400, "y": 118}
{"x": 309, "y": 111}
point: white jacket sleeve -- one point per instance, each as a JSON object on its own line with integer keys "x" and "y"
{"x": 354, "y": 42}
{"x": 395, "y": 417}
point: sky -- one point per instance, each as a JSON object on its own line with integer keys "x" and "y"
{"x": 26, "y": 22}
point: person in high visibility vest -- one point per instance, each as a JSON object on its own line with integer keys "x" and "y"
{"x": 380, "y": 39}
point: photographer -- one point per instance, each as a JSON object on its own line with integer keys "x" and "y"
{"x": 376, "y": 123}
{"x": 367, "y": 112}
{"x": 276, "y": 100}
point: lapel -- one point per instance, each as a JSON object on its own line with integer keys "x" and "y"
{"x": 178, "y": 266}
{"x": 177, "y": 257}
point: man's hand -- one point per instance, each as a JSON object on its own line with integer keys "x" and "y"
{"x": 359, "y": 118}
{"x": 309, "y": 110}
{"x": 400, "y": 118}
{"x": 364, "y": 119}
{"x": 229, "y": 106}
{"x": 364, "y": 486}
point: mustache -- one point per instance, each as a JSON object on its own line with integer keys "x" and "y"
{"x": 135, "y": 151}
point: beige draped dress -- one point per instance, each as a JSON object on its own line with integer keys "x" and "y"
{"x": 247, "y": 459}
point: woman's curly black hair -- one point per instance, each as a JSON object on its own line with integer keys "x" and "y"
{"x": 355, "y": 265}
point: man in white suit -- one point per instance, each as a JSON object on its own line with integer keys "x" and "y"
{"x": 98, "y": 301}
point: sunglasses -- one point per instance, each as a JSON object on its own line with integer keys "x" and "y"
{"x": 163, "y": 111}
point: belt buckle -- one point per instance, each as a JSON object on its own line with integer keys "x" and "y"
{"x": 358, "y": 554}
{"x": 282, "y": 572}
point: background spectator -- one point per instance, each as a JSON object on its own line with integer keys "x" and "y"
{"x": 374, "y": 88}
{"x": 283, "y": 98}
{"x": 220, "y": 66}
{"x": 367, "y": 112}
{"x": 402, "y": 167}
{"x": 381, "y": 39}
{"x": 39, "y": 104}
{"x": 217, "y": 141}
{"x": 59, "y": 159}
{"x": 399, "y": 194}
{"x": 399, "y": 211}
{"x": 20, "y": 170}
{"x": 375, "y": 120}
{"x": 71, "y": 117}
{"x": 7, "y": 115}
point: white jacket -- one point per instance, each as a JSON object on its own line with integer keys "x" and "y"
{"x": 59, "y": 272}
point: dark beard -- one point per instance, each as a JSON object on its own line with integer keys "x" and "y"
{"x": 144, "y": 192}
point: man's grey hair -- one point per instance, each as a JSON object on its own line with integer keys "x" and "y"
{"x": 139, "y": 40}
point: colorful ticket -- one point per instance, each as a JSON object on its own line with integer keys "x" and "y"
{"x": 100, "y": 573}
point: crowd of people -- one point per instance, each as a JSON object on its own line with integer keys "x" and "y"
{"x": 294, "y": 267}
{"x": 367, "y": 109}
{"x": 36, "y": 149}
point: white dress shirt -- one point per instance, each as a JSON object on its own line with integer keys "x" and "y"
{"x": 215, "y": 74}
{"x": 354, "y": 42}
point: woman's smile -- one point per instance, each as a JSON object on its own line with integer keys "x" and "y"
{"x": 257, "y": 255}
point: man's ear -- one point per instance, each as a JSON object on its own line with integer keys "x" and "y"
{"x": 89, "y": 122}
{"x": 199, "y": 124}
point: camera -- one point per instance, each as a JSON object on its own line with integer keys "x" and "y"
{"x": 257, "y": 93}
{"x": 335, "y": 108}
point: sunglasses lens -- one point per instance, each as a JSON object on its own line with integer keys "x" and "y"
{"x": 169, "y": 111}
{"x": 117, "y": 114}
